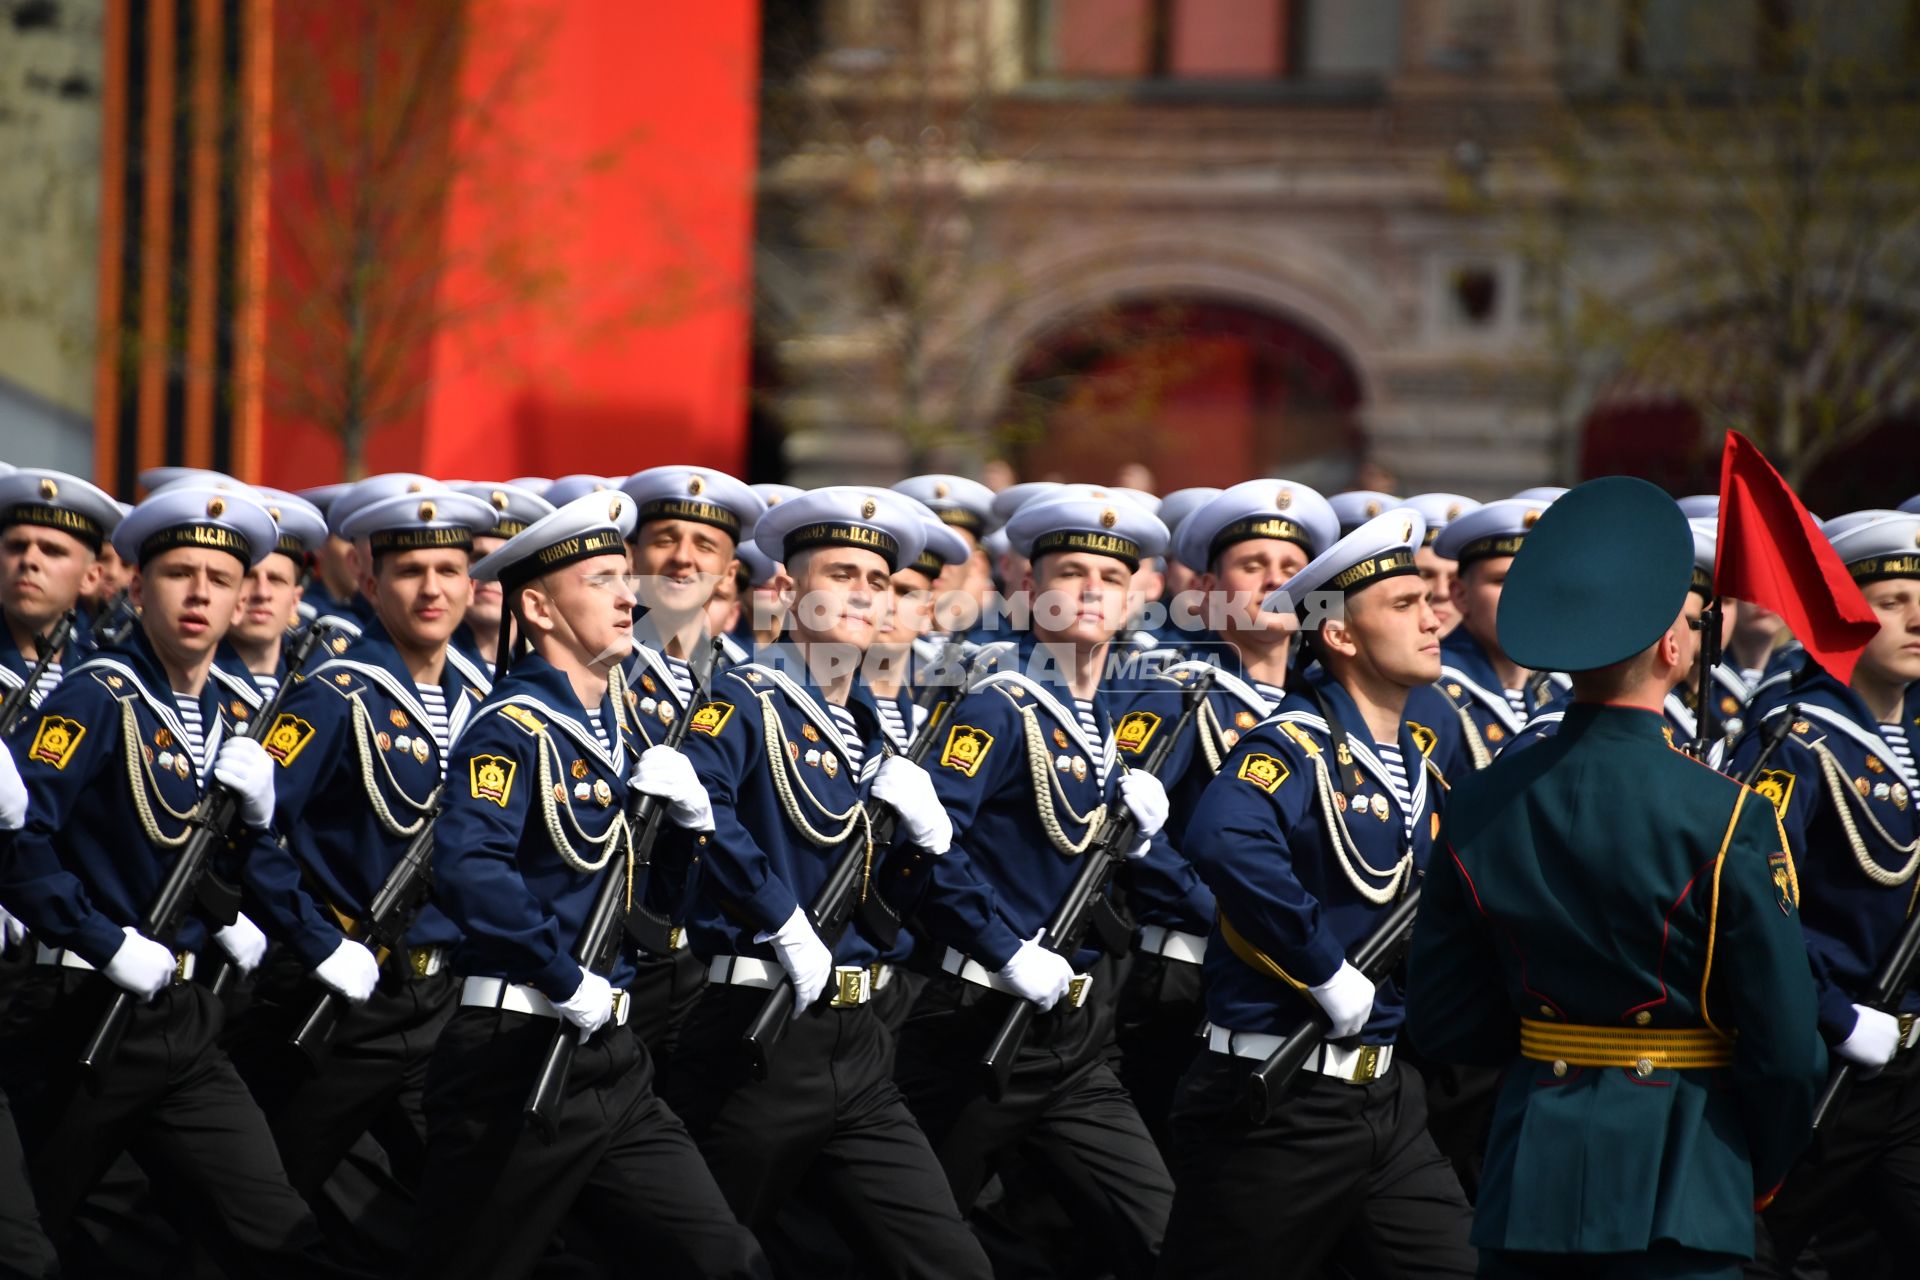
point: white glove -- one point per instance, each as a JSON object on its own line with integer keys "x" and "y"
{"x": 1347, "y": 998}
{"x": 141, "y": 965}
{"x": 669, "y": 775}
{"x": 1038, "y": 974}
{"x": 805, "y": 958}
{"x": 13, "y": 931}
{"x": 590, "y": 1005}
{"x": 1143, "y": 794}
{"x": 351, "y": 970}
{"x": 906, "y": 788}
{"x": 13, "y": 793}
{"x": 244, "y": 942}
{"x": 244, "y": 765}
{"x": 1875, "y": 1039}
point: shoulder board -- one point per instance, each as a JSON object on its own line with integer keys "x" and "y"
{"x": 1292, "y": 728}
{"x": 528, "y": 721}
{"x": 114, "y": 683}
{"x": 337, "y": 677}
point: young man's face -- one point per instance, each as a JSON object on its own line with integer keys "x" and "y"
{"x": 841, "y": 595}
{"x": 1079, "y": 598}
{"x": 43, "y": 573}
{"x": 1438, "y": 573}
{"x": 912, "y": 613}
{"x": 724, "y": 606}
{"x": 1392, "y": 626}
{"x": 1248, "y": 572}
{"x": 338, "y": 566}
{"x": 188, "y": 598}
{"x": 268, "y": 596}
{"x": 678, "y": 562}
{"x": 1476, "y": 595}
{"x": 420, "y": 596}
{"x": 591, "y": 608}
{"x": 1689, "y": 636}
{"x": 483, "y": 605}
{"x": 1893, "y": 656}
{"x": 114, "y": 577}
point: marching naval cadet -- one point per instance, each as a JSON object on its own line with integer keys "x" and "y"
{"x": 688, "y": 526}
{"x": 143, "y": 721}
{"x": 1245, "y": 543}
{"x": 1174, "y": 508}
{"x": 535, "y": 816}
{"x": 1492, "y": 697}
{"x": 350, "y": 611}
{"x": 478, "y": 636}
{"x": 1848, "y": 796}
{"x": 1319, "y": 822}
{"x": 1354, "y": 507}
{"x": 359, "y": 753}
{"x": 966, "y": 506}
{"x": 1028, "y": 772}
{"x": 1440, "y": 510}
{"x": 334, "y": 578}
{"x": 252, "y": 663}
{"x": 789, "y": 748}
{"x": 52, "y": 529}
{"x": 1613, "y": 925}
{"x": 761, "y": 611}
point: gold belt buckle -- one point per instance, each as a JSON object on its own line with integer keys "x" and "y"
{"x": 1906, "y": 1030}
{"x": 418, "y": 958}
{"x": 673, "y": 938}
{"x": 1368, "y": 1064}
{"x": 850, "y": 986}
{"x": 1077, "y": 989}
{"x": 182, "y": 962}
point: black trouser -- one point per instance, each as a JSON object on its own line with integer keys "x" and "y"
{"x": 620, "y": 1167}
{"x": 370, "y": 1080}
{"x": 1347, "y": 1167}
{"x": 170, "y": 1098}
{"x": 24, "y": 1248}
{"x": 1866, "y": 1156}
{"x": 1157, "y": 1027}
{"x": 1063, "y": 1108}
{"x": 827, "y": 1117}
{"x": 665, "y": 989}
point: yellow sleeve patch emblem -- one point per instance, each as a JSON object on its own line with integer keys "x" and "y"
{"x": 287, "y": 738}
{"x": 1776, "y": 788}
{"x": 1786, "y": 885}
{"x": 966, "y": 748}
{"x": 1135, "y": 730}
{"x": 1263, "y": 771}
{"x": 56, "y": 741}
{"x": 711, "y": 718}
{"x": 491, "y": 777}
{"x": 1423, "y": 737}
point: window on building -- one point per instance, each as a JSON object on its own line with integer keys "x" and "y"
{"x": 1219, "y": 40}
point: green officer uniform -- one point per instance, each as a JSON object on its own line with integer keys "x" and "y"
{"x": 1618, "y": 927}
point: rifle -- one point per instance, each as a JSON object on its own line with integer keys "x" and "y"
{"x": 401, "y": 895}
{"x": 1375, "y": 957}
{"x": 1889, "y": 985}
{"x": 1085, "y": 906}
{"x": 116, "y": 620}
{"x": 17, "y": 702}
{"x": 833, "y": 907}
{"x": 189, "y": 881}
{"x": 605, "y": 927}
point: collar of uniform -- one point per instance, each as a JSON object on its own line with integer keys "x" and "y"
{"x": 1615, "y": 721}
{"x": 532, "y": 676}
{"x": 1462, "y": 659}
{"x": 1837, "y": 707}
{"x": 375, "y": 648}
{"x": 783, "y": 657}
{"x": 1685, "y": 723}
{"x": 234, "y": 675}
{"x": 1298, "y": 708}
{"x": 137, "y": 658}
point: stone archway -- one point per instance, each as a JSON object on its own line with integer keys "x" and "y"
{"x": 1199, "y": 389}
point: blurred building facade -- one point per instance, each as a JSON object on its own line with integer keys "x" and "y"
{"x": 1221, "y": 237}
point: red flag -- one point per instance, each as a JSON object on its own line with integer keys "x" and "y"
{"x": 1771, "y": 553}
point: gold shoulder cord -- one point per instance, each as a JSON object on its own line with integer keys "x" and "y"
{"x": 368, "y": 752}
{"x": 139, "y": 776}
{"x": 1048, "y": 793}
{"x": 1475, "y": 747}
{"x": 1844, "y": 798}
{"x": 1212, "y": 735}
{"x": 786, "y": 773}
{"x": 1350, "y": 860}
